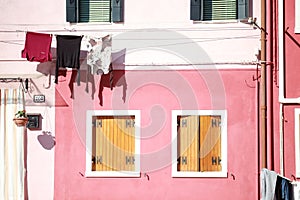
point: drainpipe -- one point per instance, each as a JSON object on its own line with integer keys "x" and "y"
{"x": 263, "y": 106}
{"x": 270, "y": 66}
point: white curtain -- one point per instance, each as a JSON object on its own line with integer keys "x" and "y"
{"x": 12, "y": 171}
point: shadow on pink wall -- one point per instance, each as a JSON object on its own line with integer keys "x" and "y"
{"x": 46, "y": 140}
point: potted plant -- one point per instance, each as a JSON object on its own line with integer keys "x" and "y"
{"x": 21, "y": 118}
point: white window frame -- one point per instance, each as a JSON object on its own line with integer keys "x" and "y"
{"x": 89, "y": 116}
{"x": 297, "y": 16}
{"x": 223, "y": 172}
{"x": 297, "y": 142}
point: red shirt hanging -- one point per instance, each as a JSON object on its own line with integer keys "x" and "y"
{"x": 37, "y": 47}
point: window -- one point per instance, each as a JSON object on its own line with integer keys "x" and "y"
{"x": 199, "y": 147}
{"x": 112, "y": 143}
{"x": 94, "y": 10}
{"x": 297, "y": 141}
{"x": 207, "y": 10}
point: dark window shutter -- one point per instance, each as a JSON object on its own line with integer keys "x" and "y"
{"x": 195, "y": 10}
{"x": 243, "y": 9}
{"x": 71, "y": 10}
{"x": 117, "y": 10}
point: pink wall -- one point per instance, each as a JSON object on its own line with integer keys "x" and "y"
{"x": 156, "y": 94}
{"x": 292, "y": 70}
{"x": 292, "y": 51}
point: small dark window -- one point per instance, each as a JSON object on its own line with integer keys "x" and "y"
{"x": 206, "y": 10}
{"x": 95, "y": 10}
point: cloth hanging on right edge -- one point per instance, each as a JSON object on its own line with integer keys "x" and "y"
{"x": 267, "y": 184}
{"x": 274, "y": 186}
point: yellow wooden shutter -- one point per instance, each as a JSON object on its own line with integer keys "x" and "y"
{"x": 210, "y": 143}
{"x": 113, "y": 143}
{"x": 188, "y": 143}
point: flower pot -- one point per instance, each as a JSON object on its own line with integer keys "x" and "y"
{"x": 21, "y": 121}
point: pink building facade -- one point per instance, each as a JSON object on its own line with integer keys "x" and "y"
{"x": 179, "y": 118}
{"x": 156, "y": 96}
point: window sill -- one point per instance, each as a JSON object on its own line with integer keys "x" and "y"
{"x": 95, "y": 23}
{"x": 217, "y": 21}
{"x": 297, "y": 30}
{"x": 200, "y": 174}
{"x": 99, "y": 174}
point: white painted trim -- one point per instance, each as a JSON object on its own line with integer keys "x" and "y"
{"x": 223, "y": 114}
{"x": 297, "y": 142}
{"x": 289, "y": 100}
{"x": 89, "y": 115}
{"x": 297, "y": 16}
{"x": 281, "y": 49}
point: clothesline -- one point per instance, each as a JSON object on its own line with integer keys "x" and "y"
{"x": 73, "y": 30}
{"x": 38, "y": 48}
{"x": 91, "y": 28}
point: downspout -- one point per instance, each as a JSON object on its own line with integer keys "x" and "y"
{"x": 263, "y": 106}
{"x": 269, "y": 85}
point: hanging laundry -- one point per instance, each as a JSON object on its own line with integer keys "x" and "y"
{"x": 68, "y": 54}
{"x": 37, "y": 47}
{"x": 268, "y": 180}
{"x": 99, "y": 54}
{"x": 284, "y": 189}
{"x": 99, "y": 57}
{"x": 275, "y": 187}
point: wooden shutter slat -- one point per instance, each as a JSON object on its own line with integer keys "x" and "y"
{"x": 204, "y": 128}
{"x": 106, "y": 129}
{"x": 193, "y": 140}
{"x": 99, "y": 146}
{"x": 126, "y": 146}
{"x": 210, "y": 143}
{"x": 188, "y": 142}
{"x": 183, "y": 144}
{"x": 132, "y": 147}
